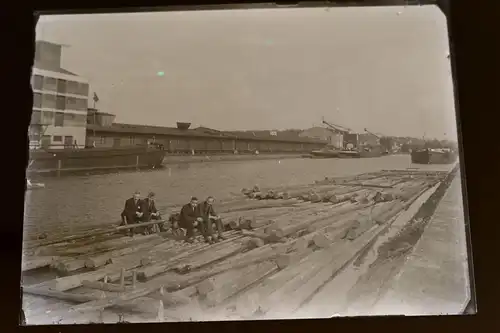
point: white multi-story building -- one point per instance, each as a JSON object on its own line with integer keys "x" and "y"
{"x": 60, "y": 101}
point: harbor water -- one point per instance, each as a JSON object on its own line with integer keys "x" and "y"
{"x": 72, "y": 202}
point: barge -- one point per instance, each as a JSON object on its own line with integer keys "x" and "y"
{"x": 57, "y": 161}
{"x": 433, "y": 156}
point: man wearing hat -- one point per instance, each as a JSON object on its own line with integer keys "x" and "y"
{"x": 190, "y": 218}
{"x": 132, "y": 212}
{"x": 150, "y": 212}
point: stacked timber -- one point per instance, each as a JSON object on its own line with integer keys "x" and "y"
{"x": 279, "y": 249}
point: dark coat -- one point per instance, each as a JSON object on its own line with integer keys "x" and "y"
{"x": 189, "y": 215}
{"x": 206, "y": 210}
{"x": 148, "y": 207}
{"x": 130, "y": 209}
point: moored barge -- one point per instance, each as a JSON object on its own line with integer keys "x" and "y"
{"x": 58, "y": 161}
{"x": 433, "y": 156}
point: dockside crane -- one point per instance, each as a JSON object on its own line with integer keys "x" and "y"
{"x": 337, "y": 128}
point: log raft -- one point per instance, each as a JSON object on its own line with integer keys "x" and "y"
{"x": 279, "y": 245}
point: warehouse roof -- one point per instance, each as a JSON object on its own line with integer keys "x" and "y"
{"x": 195, "y": 133}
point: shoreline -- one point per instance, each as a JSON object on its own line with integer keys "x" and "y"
{"x": 182, "y": 159}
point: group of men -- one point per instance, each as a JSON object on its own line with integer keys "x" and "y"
{"x": 192, "y": 215}
{"x": 139, "y": 210}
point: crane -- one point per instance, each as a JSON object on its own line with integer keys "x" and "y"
{"x": 336, "y": 128}
{"x": 375, "y": 135}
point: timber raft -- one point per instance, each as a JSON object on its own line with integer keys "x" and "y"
{"x": 283, "y": 245}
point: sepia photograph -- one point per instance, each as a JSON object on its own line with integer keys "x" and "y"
{"x": 244, "y": 164}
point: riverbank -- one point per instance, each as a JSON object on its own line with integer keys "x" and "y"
{"x": 434, "y": 279}
{"x": 181, "y": 159}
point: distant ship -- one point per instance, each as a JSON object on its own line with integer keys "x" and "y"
{"x": 58, "y": 161}
{"x": 434, "y": 156}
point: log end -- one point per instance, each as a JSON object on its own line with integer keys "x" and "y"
{"x": 205, "y": 287}
{"x": 321, "y": 241}
{"x": 283, "y": 261}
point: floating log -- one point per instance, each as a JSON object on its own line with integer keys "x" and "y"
{"x": 37, "y": 262}
{"x": 65, "y": 296}
{"x": 112, "y": 271}
{"x": 105, "y": 286}
{"x": 304, "y": 279}
{"x": 253, "y": 243}
{"x": 287, "y": 259}
{"x": 107, "y": 258}
{"x": 222, "y": 249}
{"x": 228, "y": 287}
{"x": 266, "y": 238}
{"x": 170, "y": 299}
{"x": 96, "y": 305}
{"x": 68, "y": 266}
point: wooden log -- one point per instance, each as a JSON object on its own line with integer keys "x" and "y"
{"x": 115, "y": 244}
{"x": 349, "y": 212}
{"x": 256, "y": 224}
{"x": 244, "y": 279}
{"x": 261, "y": 205}
{"x": 380, "y": 214}
{"x": 266, "y": 238}
{"x": 170, "y": 299}
{"x": 29, "y": 245}
{"x": 66, "y": 267}
{"x": 254, "y": 243}
{"x": 113, "y": 301}
{"x": 37, "y": 262}
{"x": 287, "y": 259}
{"x": 291, "y": 229}
{"x": 105, "y": 286}
{"x": 112, "y": 271}
{"x": 65, "y": 296}
{"x": 107, "y": 258}
{"x": 216, "y": 252}
{"x": 304, "y": 279}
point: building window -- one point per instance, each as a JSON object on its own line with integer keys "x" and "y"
{"x": 57, "y": 138}
{"x": 50, "y": 84}
{"x": 48, "y": 101}
{"x": 72, "y": 87}
{"x": 37, "y": 100}
{"x": 61, "y": 86}
{"x": 102, "y": 140}
{"x": 68, "y": 141}
{"x": 36, "y": 117}
{"x": 71, "y": 103}
{"x": 38, "y": 82}
{"x": 61, "y": 103}
{"x": 81, "y": 104}
{"x": 132, "y": 140}
{"x": 47, "y": 117}
{"x": 83, "y": 89}
{"x": 59, "y": 119}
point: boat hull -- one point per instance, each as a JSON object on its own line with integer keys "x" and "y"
{"x": 95, "y": 159}
{"x": 360, "y": 154}
{"x": 433, "y": 157}
{"x": 324, "y": 154}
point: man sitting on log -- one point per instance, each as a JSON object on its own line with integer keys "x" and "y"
{"x": 150, "y": 213}
{"x": 190, "y": 218}
{"x": 132, "y": 212}
{"x": 209, "y": 217}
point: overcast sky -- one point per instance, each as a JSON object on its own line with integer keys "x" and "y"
{"x": 383, "y": 68}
